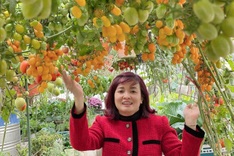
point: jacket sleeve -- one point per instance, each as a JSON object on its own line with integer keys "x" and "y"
{"x": 83, "y": 137}
{"x": 190, "y": 144}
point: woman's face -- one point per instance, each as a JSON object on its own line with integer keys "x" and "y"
{"x": 128, "y": 98}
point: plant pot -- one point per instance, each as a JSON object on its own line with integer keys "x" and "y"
{"x": 208, "y": 151}
{"x": 12, "y": 136}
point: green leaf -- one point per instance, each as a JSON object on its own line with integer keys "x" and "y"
{"x": 228, "y": 144}
{"x": 231, "y": 88}
{"x": 231, "y": 63}
{"x": 175, "y": 119}
{"x": 12, "y": 5}
{"x": 5, "y": 114}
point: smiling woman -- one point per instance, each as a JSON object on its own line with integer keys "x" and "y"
{"x": 129, "y": 126}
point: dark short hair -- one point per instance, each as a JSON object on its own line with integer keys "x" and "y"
{"x": 111, "y": 110}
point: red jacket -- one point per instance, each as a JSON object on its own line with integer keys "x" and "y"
{"x": 150, "y": 136}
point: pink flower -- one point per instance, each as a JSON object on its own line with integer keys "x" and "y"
{"x": 95, "y": 102}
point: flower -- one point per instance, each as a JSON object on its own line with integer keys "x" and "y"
{"x": 95, "y": 102}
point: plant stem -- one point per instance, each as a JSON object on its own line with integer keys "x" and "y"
{"x": 59, "y": 33}
{"x": 218, "y": 83}
{"x": 28, "y": 123}
{"x": 224, "y": 94}
{"x": 209, "y": 127}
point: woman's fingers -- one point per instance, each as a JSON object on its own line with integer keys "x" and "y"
{"x": 64, "y": 76}
{"x": 69, "y": 82}
{"x": 191, "y": 106}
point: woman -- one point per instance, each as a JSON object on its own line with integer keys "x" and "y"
{"x": 129, "y": 126}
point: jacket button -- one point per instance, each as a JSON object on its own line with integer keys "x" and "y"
{"x": 129, "y": 152}
{"x": 129, "y": 139}
{"x": 127, "y": 125}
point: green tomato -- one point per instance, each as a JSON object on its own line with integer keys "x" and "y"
{"x": 220, "y": 46}
{"x": 3, "y": 83}
{"x": 50, "y": 87}
{"x": 43, "y": 45}
{"x": 209, "y": 53}
{"x": 58, "y": 26}
{"x": 207, "y": 31}
{"x": 28, "y": 1}
{"x": 2, "y": 21}
{"x": 17, "y": 36}
{"x": 15, "y": 79}
{"x": 139, "y": 47}
{"x": 3, "y": 67}
{"x": 10, "y": 49}
{"x": 218, "y": 64}
{"x": 204, "y": 10}
{"x": 3, "y": 34}
{"x": 51, "y": 26}
{"x": 175, "y": 40}
{"x": 227, "y": 26}
{"x": 34, "y": 23}
{"x": 27, "y": 39}
{"x": 10, "y": 75}
{"x": 231, "y": 44}
{"x": 20, "y": 103}
{"x": 59, "y": 82}
{"x": 230, "y": 9}
{"x": 170, "y": 22}
{"x": 131, "y": 16}
{"x": 64, "y": 12}
{"x": 64, "y": 20}
{"x": 15, "y": 60}
{"x": 143, "y": 15}
{"x": 45, "y": 12}
{"x": 31, "y": 11}
{"x": 219, "y": 14}
{"x": 219, "y": 3}
{"x": 169, "y": 39}
{"x": 161, "y": 11}
{"x": 99, "y": 22}
{"x": 56, "y": 91}
{"x": 8, "y": 27}
{"x": 149, "y": 6}
{"x": 36, "y": 44}
{"x": 19, "y": 28}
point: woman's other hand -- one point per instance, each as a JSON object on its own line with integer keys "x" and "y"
{"x": 76, "y": 89}
{"x": 191, "y": 114}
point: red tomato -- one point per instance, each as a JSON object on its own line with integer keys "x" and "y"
{"x": 165, "y": 80}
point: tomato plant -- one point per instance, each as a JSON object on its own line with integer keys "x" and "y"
{"x": 93, "y": 40}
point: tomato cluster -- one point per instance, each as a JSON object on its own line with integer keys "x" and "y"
{"x": 216, "y": 26}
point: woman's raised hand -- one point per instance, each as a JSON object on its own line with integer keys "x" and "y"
{"x": 191, "y": 114}
{"x": 76, "y": 89}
